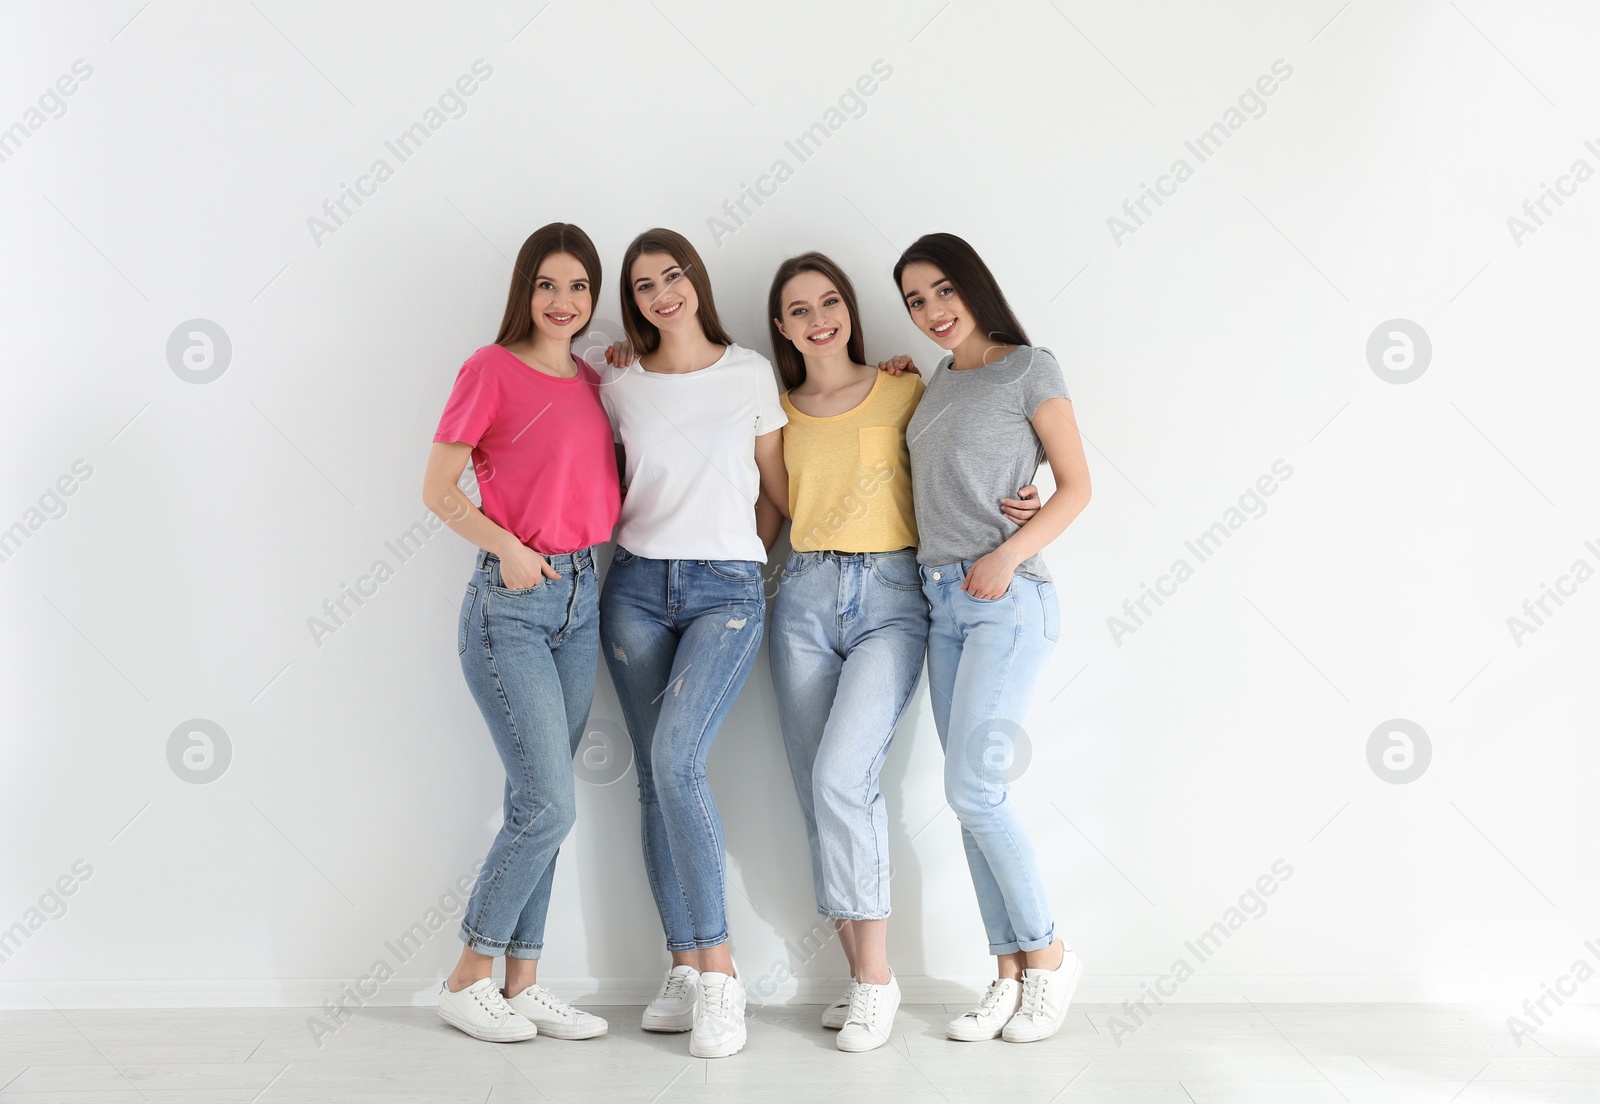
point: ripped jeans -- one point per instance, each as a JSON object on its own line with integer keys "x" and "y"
{"x": 680, "y": 638}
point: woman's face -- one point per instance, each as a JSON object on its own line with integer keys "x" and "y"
{"x": 562, "y": 300}
{"x": 935, "y": 305}
{"x": 663, "y": 293}
{"x": 813, "y": 315}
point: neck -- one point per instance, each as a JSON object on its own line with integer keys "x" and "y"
{"x": 831, "y": 372}
{"x": 978, "y": 350}
{"x": 683, "y": 350}
{"x": 555, "y": 351}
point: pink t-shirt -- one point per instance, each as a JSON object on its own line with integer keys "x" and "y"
{"x": 541, "y": 447}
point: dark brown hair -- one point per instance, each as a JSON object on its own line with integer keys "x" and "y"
{"x": 972, "y": 280}
{"x": 790, "y": 362}
{"x": 557, "y": 237}
{"x": 642, "y": 333}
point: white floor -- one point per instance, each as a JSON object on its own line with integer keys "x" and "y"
{"x": 1187, "y": 1054}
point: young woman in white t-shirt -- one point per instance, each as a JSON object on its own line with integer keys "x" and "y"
{"x": 682, "y": 608}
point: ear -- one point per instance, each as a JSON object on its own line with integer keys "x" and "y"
{"x": 781, "y": 330}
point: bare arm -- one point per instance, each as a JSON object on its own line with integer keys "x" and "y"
{"x": 774, "y": 474}
{"x": 520, "y": 566}
{"x": 1057, "y": 428}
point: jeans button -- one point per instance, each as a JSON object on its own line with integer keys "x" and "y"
{"x": 936, "y": 575}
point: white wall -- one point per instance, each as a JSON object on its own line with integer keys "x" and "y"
{"x": 1227, "y": 332}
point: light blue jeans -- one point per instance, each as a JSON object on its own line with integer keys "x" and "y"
{"x": 680, "y": 639}
{"x": 849, "y": 631}
{"x": 983, "y": 657}
{"x": 529, "y": 659}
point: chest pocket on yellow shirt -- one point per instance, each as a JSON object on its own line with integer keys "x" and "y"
{"x": 880, "y": 446}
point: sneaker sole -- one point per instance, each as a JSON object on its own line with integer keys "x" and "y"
{"x": 1072, "y": 987}
{"x": 949, "y": 1034}
{"x": 851, "y": 1047}
{"x": 668, "y": 1027}
{"x": 468, "y": 1029}
{"x": 725, "y": 1050}
{"x": 556, "y": 1031}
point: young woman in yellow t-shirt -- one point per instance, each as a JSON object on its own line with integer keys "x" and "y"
{"x": 849, "y": 628}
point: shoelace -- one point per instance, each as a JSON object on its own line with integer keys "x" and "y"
{"x": 863, "y": 1002}
{"x": 492, "y": 1002}
{"x": 1033, "y": 995}
{"x": 714, "y": 997}
{"x": 552, "y": 1002}
{"x": 676, "y": 986}
{"x": 991, "y": 997}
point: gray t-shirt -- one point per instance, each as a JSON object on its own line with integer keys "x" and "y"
{"x": 972, "y": 443}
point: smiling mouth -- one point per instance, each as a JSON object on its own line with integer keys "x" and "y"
{"x": 561, "y": 319}
{"x": 668, "y": 312}
{"x": 943, "y": 329}
{"x": 822, "y": 337}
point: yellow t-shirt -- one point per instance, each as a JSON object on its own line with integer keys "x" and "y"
{"x": 850, "y": 474}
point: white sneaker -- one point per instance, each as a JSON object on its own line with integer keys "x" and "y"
{"x": 986, "y": 1021}
{"x": 719, "y": 1030}
{"x": 482, "y": 1012}
{"x": 673, "y": 1008}
{"x": 871, "y": 1016}
{"x": 1045, "y": 996}
{"x": 553, "y": 1016}
{"x": 834, "y": 1016}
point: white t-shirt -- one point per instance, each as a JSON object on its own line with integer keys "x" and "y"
{"x": 689, "y": 440}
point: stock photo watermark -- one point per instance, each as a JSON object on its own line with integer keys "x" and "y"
{"x": 51, "y": 505}
{"x": 50, "y": 105}
{"x": 199, "y": 751}
{"x": 451, "y": 104}
{"x": 199, "y": 351}
{"x": 337, "y": 611}
{"x": 52, "y": 905}
{"x": 1251, "y": 505}
{"x": 1251, "y": 104}
{"x": 1536, "y": 1011}
{"x": 1536, "y": 611}
{"x": 851, "y": 104}
{"x": 1251, "y": 905}
{"x": 1537, "y": 211}
{"x": 604, "y": 754}
{"x": 354, "y": 995}
{"x": 1399, "y": 751}
{"x": 1399, "y": 351}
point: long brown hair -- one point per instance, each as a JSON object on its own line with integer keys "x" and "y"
{"x": 789, "y": 360}
{"x": 642, "y": 333}
{"x": 972, "y": 280}
{"x": 557, "y": 237}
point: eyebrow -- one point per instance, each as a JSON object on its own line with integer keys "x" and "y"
{"x": 553, "y": 280}
{"x": 664, "y": 271}
{"x": 802, "y": 302}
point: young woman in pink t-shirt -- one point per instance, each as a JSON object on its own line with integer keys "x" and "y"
{"x": 527, "y": 413}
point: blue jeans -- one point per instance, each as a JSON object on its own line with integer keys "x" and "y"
{"x": 680, "y": 639}
{"x": 529, "y": 658}
{"x": 983, "y": 657}
{"x": 849, "y": 631}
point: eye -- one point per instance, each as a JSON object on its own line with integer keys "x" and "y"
{"x": 833, "y": 301}
{"x": 946, "y": 290}
{"x": 672, "y": 276}
{"x": 546, "y": 285}
{"x": 797, "y": 312}
{"x": 580, "y": 286}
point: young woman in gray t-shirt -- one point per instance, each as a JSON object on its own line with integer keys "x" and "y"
{"x": 992, "y": 411}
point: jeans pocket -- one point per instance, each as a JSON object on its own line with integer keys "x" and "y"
{"x": 1052, "y": 611}
{"x": 620, "y": 555}
{"x": 735, "y": 571}
{"x": 467, "y": 605}
{"x": 898, "y": 571}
